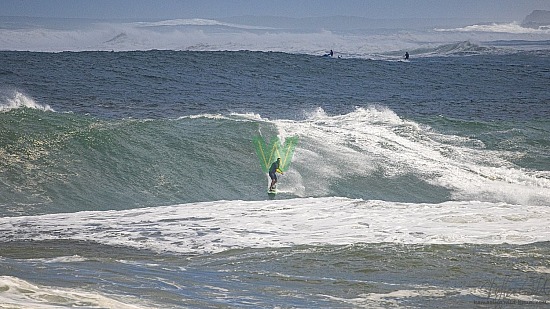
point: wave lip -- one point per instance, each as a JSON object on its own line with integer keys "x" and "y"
{"x": 19, "y": 100}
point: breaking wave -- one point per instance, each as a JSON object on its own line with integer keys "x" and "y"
{"x": 15, "y": 99}
{"x": 65, "y": 162}
{"x": 213, "y": 35}
{"x": 514, "y": 28}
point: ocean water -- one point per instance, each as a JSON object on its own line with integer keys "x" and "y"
{"x": 129, "y": 178}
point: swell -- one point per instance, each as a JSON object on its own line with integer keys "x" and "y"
{"x": 62, "y": 162}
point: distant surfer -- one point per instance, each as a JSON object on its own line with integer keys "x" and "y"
{"x": 273, "y": 170}
{"x": 329, "y": 54}
{"x": 406, "y": 55}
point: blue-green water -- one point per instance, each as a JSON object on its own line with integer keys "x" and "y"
{"x": 130, "y": 179}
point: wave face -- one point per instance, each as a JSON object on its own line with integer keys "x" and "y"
{"x": 64, "y": 162}
{"x": 386, "y": 40}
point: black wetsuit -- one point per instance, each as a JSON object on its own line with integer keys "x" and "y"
{"x": 273, "y": 170}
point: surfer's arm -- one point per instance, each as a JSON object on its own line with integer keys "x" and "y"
{"x": 279, "y": 171}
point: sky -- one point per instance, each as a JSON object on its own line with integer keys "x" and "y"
{"x": 488, "y": 10}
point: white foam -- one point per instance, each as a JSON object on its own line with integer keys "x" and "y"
{"x": 63, "y": 259}
{"x": 534, "y": 269}
{"x": 247, "y": 117}
{"x": 20, "y": 100}
{"x": 223, "y": 225}
{"x": 514, "y": 28}
{"x": 357, "y": 143}
{"x": 18, "y": 293}
{"x": 395, "y": 298}
{"x": 195, "y": 22}
{"x": 505, "y": 295}
{"x": 206, "y": 35}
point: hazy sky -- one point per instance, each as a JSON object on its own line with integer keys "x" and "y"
{"x": 489, "y": 10}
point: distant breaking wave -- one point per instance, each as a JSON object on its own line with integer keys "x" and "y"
{"x": 513, "y": 28}
{"x": 460, "y": 48}
{"x": 194, "y": 22}
{"x": 214, "y": 35}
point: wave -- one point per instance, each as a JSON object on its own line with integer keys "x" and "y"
{"x": 23, "y": 294}
{"x": 457, "y": 48}
{"x": 57, "y": 162}
{"x": 378, "y": 145}
{"x": 212, "y": 227}
{"x": 14, "y": 99}
{"x": 214, "y": 35}
{"x": 195, "y": 22}
{"x": 514, "y": 28}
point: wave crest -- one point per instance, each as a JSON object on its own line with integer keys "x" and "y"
{"x": 514, "y": 28}
{"x": 18, "y": 100}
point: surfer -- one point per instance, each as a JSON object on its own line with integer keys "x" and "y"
{"x": 329, "y": 54}
{"x": 273, "y": 170}
{"x": 406, "y": 55}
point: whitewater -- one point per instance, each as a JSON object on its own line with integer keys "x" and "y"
{"x": 382, "y": 39}
{"x": 213, "y": 227}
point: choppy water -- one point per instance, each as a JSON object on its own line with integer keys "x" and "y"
{"x": 129, "y": 179}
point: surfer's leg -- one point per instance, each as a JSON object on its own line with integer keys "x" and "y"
{"x": 273, "y": 180}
